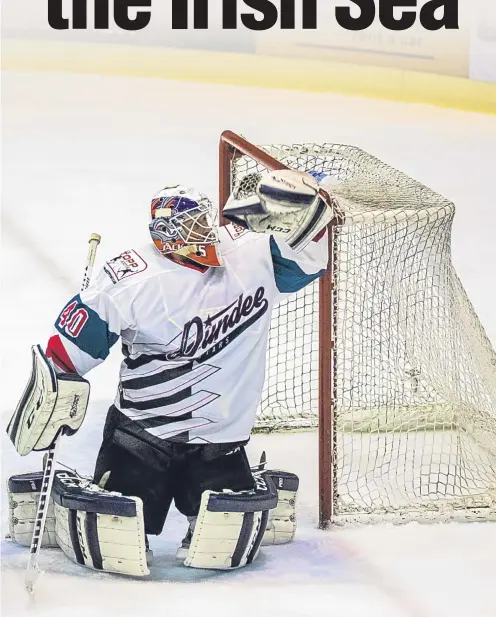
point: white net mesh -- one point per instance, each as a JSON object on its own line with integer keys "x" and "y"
{"x": 415, "y": 375}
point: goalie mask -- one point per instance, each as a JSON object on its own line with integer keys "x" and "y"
{"x": 183, "y": 224}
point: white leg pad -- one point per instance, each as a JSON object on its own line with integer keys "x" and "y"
{"x": 214, "y": 545}
{"x": 119, "y": 550}
{"x": 23, "y": 492}
{"x": 99, "y": 529}
{"x": 281, "y": 527}
{"x": 230, "y": 527}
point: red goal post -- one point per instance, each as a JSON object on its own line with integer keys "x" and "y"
{"x": 233, "y": 146}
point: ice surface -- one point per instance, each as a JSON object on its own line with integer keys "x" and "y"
{"x": 84, "y": 154}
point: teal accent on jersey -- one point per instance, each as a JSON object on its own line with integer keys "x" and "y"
{"x": 289, "y": 277}
{"x": 94, "y": 337}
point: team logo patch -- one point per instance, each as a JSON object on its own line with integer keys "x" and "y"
{"x": 125, "y": 265}
{"x": 236, "y": 231}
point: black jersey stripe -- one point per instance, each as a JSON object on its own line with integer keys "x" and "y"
{"x": 134, "y": 363}
{"x": 138, "y": 383}
{"x": 162, "y": 420}
{"x": 156, "y": 402}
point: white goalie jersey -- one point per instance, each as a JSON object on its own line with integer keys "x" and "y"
{"x": 194, "y": 343}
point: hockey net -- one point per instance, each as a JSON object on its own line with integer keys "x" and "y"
{"x": 394, "y": 366}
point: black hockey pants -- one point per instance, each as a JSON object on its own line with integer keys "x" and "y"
{"x": 160, "y": 471}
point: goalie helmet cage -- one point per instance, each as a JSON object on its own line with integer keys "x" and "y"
{"x": 385, "y": 353}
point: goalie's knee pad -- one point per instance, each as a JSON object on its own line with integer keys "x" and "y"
{"x": 231, "y": 525}
{"x": 281, "y": 527}
{"x": 23, "y": 492}
{"x": 99, "y": 529}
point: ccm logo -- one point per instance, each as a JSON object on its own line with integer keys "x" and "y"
{"x": 280, "y": 230}
{"x": 68, "y": 480}
{"x": 260, "y": 484}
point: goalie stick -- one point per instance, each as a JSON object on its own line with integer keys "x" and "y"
{"x": 33, "y": 571}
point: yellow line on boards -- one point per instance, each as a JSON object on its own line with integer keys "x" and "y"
{"x": 253, "y": 70}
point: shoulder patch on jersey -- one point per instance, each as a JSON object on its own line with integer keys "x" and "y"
{"x": 124, "y": 265}
{"x": 236, "y": 231}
